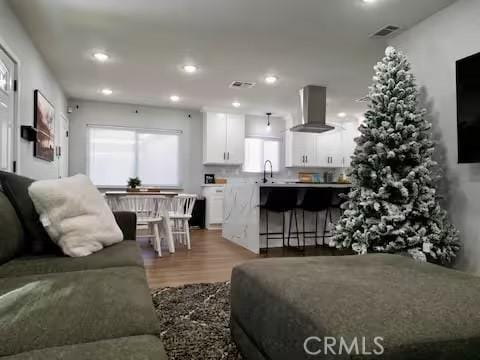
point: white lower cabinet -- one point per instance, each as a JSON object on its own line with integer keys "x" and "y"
{"x": 214, "y": 196}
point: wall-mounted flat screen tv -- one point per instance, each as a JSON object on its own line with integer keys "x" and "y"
{"x": 468, "y": 109}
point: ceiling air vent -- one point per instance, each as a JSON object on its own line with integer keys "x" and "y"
{"x": 385, "y": 31}
{"x": 242, "y": 85}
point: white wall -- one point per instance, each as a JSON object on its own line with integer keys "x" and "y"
{"x": 257, "y": 126}
{"x": 103, "y": 113}
{"x": 33, "y": 74}
{"x": 433, "y": 47}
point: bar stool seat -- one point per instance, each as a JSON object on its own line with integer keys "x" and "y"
{"x": 279, "y": 200}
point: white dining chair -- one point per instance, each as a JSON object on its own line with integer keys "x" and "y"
{"x": 152, "y": 212}
{"x": 180, "y": 213}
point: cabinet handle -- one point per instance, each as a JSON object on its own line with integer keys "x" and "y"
{"x": 224, "y": 156}
{"x": 306, "y": 159}
{"x": 228, "y": 155}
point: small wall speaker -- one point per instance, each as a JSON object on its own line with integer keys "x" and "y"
{"x": 28, "y": 133}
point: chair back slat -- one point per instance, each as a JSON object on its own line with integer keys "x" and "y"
{"x": 145, "y": 206}
{"x": 182, "y": 204}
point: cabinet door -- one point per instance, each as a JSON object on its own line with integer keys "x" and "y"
{"x": 329, "y": 149}
{"x": 302, "y": 145}
{"x": 348, "y": 142}
{"x": 214, "y": 139}
{"x": 215, "y": 207}
{"x": 235, "y": 139}
{"x": 310, "y": 150}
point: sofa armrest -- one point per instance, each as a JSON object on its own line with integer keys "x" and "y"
{"x": 127, "y": 221}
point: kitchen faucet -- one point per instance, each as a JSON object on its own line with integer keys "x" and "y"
{"x": 265, "y": 171}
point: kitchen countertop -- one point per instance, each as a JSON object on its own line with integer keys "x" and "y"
{"x": 305, "y": 185}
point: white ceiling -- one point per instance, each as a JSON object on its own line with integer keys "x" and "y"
{"x": 322, "y": 42}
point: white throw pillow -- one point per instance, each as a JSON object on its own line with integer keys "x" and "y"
{"x": 75, "y": 215}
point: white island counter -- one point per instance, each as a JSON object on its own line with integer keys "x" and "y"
{"x": 243, "y": 222}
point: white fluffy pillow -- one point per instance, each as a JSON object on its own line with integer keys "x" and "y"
{"x": 75, "y": 215}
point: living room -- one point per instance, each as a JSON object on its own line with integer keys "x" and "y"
{"x": 244, "y": 180}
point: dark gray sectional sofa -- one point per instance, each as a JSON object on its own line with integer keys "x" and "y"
{"x": 56, "y": 307}
{"x": 421, "y": 310}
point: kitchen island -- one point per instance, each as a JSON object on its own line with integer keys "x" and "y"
{"x": 244, "y": 220}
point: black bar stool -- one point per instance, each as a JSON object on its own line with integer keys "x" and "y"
{"x": 279, "y": 200}
{"x": 316, "y": 200}
{"x": 336, "y": 202}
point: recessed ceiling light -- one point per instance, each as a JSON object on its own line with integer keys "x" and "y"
{"x": 175, "y": 98}
{"x": 190, "y": 69}
{"x": 342, "y": 115}
{"x": 236, "y": 104}
{"x": 102, "y": 57}
{"x": 369, "y": 1}
{"x": 271, "y": 79}
{"x": 107, "y": 91}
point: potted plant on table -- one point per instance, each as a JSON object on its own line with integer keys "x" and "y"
{"x": 133, "y": 184}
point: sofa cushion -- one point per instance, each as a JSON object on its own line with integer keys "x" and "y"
{"x": 16, "y": 189}
{"x": 421, "y": 310}
{"x": 75, "y": 215}
{"x": 143, "y": 347}
{"x": 125, "y": 253}
{"x": 12, "y": 241}
{"x": 41, "y": 311}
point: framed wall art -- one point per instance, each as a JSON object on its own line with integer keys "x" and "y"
{"x": 44, "y": 123}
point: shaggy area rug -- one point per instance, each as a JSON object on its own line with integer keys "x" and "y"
{"x": 195, "y": 321}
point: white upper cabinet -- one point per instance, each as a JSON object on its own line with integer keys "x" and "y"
{"x": 235, "y": 139}
{"x": 331, "y": 149}
{"x": 303, "y": 150}
{"x": 348, "y": 142}
{"x": 223, "y": 138}
{"x": 214, "y": 138}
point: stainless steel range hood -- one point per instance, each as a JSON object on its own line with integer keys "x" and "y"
{"x": 313, "y": 108}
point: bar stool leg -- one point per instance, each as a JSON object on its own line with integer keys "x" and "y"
{"x": 303, "y": 234}
{"x": 296, "y": 226}
{"x": 266, "y": 213}
{"x": 325, "y": 226}
{"x": 289, "y": 227}
{"x": 303, "y": 224}
{"x": 316, "y": 228}
{"x": 283, "y": 229}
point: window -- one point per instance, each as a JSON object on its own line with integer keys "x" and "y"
{"x": 257, "y": 151}
{"x": 115, "y": 154}
{"x": 3, "y": 76}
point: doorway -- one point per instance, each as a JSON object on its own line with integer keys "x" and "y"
{"x": 7, "y": 112}
{"x": 62, "y": 147}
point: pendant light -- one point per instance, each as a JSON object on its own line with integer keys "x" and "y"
{"x": 268, "y": 120}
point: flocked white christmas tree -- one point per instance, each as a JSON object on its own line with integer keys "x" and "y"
{"x": 393, "y": 206}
